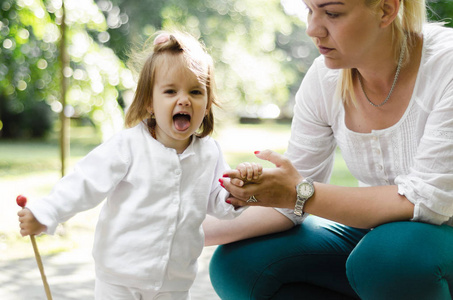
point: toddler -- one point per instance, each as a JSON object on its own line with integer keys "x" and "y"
{"x": 159, "y": 178}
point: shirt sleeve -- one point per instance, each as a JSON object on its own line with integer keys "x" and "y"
{"x": 289, "y": 213}
{"x": 312, "y": 144}
{"x": 217, "y": 206}
{"x": 428, "y": 185}
{"x": 92, "y": 180}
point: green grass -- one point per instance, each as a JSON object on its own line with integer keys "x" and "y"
{"x": 25, "y": 157}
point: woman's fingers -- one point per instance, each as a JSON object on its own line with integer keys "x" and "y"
{"x": 277, "y": 159}
{"x": 239, "y": 203}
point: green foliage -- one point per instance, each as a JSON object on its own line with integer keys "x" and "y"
{"x": 261, "y": 53}
{"x": 441, "y": 10}
{"x": 27, "y": 66}
{"x": 30, "y": 71}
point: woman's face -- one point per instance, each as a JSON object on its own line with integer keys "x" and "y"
{"x": 346, "y": 32}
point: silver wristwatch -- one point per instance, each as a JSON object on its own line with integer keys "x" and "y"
{"x": 304, "y": 190}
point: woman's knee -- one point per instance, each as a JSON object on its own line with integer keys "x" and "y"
{"x": 403, "y": 260}
{"x": 257, "y": 268}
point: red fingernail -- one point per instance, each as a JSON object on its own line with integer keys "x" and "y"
{"x": 221, "y": 182}
{"x": 257, "y": 152}
{"x": 228, "y": 201}
{"x": 226, "y": 175}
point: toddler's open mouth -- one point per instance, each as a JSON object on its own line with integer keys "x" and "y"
{"x": 181, "y": 121}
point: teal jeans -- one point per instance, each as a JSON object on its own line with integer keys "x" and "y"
{"x": 321, "y": 259}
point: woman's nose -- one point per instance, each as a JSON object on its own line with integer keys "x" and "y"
{"x": 315, "y": 28}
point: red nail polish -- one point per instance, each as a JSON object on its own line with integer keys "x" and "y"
{"x": 226, "y": 175}
{"x": 221, "y": 182}
{"x": 257, "y": 152}
{"x": 228, "y": 201}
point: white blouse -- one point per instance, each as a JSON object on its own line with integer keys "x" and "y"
{"x": 416, "y": 153}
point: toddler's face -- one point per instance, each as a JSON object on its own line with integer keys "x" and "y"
{"x": 179, "y": 103}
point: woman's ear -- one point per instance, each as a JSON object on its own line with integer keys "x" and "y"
{"x": 389, "y": 11}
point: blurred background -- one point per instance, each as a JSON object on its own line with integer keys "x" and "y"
{"x": 65, "y": 86}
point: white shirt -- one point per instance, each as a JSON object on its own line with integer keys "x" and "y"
{"x": 149, "y": 232}
{"x": 416, "y": 153}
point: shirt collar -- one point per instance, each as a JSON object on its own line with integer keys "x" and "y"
{"x": 190, "y": 149}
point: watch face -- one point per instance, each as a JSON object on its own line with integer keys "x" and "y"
{"x": 305, "y": 190}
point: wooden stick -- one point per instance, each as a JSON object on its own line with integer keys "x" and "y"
{"x": 41, "y": 267}
{"x": 22, "y": 201}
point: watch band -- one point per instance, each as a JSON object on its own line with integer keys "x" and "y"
{"x": 298, "y": 209}
{"x": 300, "y": 202}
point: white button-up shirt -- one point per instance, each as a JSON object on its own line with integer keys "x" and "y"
{"x": 149, "y": 232}
{"x": 416, "y": 153}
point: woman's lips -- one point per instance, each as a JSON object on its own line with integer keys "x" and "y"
{"x": 324, "y": 50}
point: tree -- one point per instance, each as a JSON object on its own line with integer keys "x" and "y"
{"x": 29, "y": 67}
{"x": 28, "y": 62}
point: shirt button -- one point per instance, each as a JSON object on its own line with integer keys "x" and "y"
{"x": 377, "y": 151}
{"x": 379, "y": 167}
{"x": 374, "y": 138}
{"x": 178, "y": 172}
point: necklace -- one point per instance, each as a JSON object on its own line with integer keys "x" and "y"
{"x": 398, "y": 69}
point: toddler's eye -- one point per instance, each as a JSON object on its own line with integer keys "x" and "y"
{"x": 197, "y": 92}
{"x": 169, "y": 91}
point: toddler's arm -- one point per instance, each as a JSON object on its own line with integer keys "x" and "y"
{"x": 28, "y": 223}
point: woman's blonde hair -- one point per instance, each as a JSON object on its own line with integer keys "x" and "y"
{"x": 195, "y": 58}
{"x": 411, "y": 17}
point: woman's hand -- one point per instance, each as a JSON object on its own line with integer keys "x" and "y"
{"x": 275, "y": 187}
{"x": 28, "y": 223}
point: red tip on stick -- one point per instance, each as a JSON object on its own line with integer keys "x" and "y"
{"x": 21, "y": 201}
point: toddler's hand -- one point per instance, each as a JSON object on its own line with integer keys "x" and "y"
{"x": 28, "y": 223}
{"x": 249, "y": 171}
{"x": 245, "y": 173}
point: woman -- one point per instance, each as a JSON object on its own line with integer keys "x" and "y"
{"x": 382, "y": 91}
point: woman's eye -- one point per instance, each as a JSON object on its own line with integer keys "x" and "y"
{"x": 332, "y": 15}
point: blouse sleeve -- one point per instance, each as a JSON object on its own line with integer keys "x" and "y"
{"x": 429, "y": 184}
{"x": 312, "y": 144}
{"x": 93, "y": 178}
